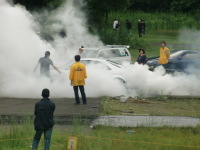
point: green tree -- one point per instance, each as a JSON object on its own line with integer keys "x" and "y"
{"x": 191, "y": 7}
{"x": 99, "y": 9}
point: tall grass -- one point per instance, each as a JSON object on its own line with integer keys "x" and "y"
{"x": 155, "y": 21}
{"x": 103, "y": 138}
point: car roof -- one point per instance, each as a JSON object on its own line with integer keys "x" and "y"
{"x": 103, "y": 48}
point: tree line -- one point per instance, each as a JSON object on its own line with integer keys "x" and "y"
{"x": 98, "y": 10}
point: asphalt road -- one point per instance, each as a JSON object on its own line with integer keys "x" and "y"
{"x": 64, "y": 106}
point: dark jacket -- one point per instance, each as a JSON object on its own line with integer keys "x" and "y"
{"x": 140, "y": 27}
{"x": 128, "y": 25}
{"x": 142, "y": 59}
{"x": 44, "y": 110}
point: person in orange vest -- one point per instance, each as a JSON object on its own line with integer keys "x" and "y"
{"x": 77, "y": 76}
{"x": 164, "y": 54}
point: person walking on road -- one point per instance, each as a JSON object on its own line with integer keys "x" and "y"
{"x": 164, "y": 54}
{"x": 44, "y": 110}
{"x": 45, "y": 63}
{"x": 77, "y": 76}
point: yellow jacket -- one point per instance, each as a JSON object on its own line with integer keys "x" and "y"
{"x": 164, "y": 55}
{"x": 78, "y": 74}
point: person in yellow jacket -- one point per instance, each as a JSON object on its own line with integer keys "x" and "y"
{"x": 164, "y": 54}
{"x": 77, "y": 76}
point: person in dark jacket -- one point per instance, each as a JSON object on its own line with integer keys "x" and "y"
{"x": 140, "y": 28}
{"x": 128, "y": 26}
{"x": 142, "y": 58}
{"x": 44, "y": 122}
{"x": 143, "y": 26}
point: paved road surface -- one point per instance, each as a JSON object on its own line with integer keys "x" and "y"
{"x": 64, "y": 106}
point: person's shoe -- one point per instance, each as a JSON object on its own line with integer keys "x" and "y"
{"x": 76, "y": 103}
{"x": 84, "y": 103}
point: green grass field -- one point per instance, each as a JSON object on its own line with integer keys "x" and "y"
{"x": 104, "y": 138}
{"x": 153, "y": 107}
{"x": 178, "y": 30}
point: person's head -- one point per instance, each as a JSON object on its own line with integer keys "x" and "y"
{"x": 77, "y": 58}
{"x": 163, "y": 44}
{"x": 47, "y": 54}
{"x": 45, "y": 93}
{"x": 141, "y": 51}
{"x": 81, "y": 49}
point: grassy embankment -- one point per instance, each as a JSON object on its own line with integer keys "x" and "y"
{"x": 161, "y": 106}
{"x": 105, "y": 138}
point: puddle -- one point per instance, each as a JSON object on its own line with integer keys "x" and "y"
{"x": 146, "y": 121}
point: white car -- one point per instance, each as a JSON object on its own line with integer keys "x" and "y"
{"x": 115, "y": 53}
{"x": 107, "y": 65}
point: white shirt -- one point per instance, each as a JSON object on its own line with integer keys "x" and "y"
{"x": 114, "y": 24}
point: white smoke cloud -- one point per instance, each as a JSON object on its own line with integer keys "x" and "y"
{"x": 21, "y": 47}
{"x": 147, "y": 83}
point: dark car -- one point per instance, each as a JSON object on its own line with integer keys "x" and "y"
{"x": 180, "y": 60}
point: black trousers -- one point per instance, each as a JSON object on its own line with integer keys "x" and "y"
{"x": 82, "y": 90}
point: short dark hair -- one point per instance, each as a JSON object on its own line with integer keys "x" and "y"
{"x": 45, "y": 92}
{"x": 141, "y": 49}
{"x": 163, "y": 42}
{"x": 47, "y": 53}
{"x": 77, "y": 58}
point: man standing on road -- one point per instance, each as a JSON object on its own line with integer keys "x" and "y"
{"x": 77, "y": 76}
{"x": 45, "y": 63}
{"x": 44, "y": 122}
{"x": 164, "y": 54}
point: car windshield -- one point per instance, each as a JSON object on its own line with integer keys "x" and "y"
{"x": 111, "y": 53}
{"x": 90, "y": 53}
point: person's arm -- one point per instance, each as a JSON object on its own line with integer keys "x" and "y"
{"x": 36, "y": 67}
{"x": 53, "y": 108}
{"x": 71, "y": 75}
{"x": 145, "y": 59}
{"x": 54, "y": 67}
{"x": 168, "y": 53}
{"x": 85, "y": 72}
{"x": 35, "y": 111}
